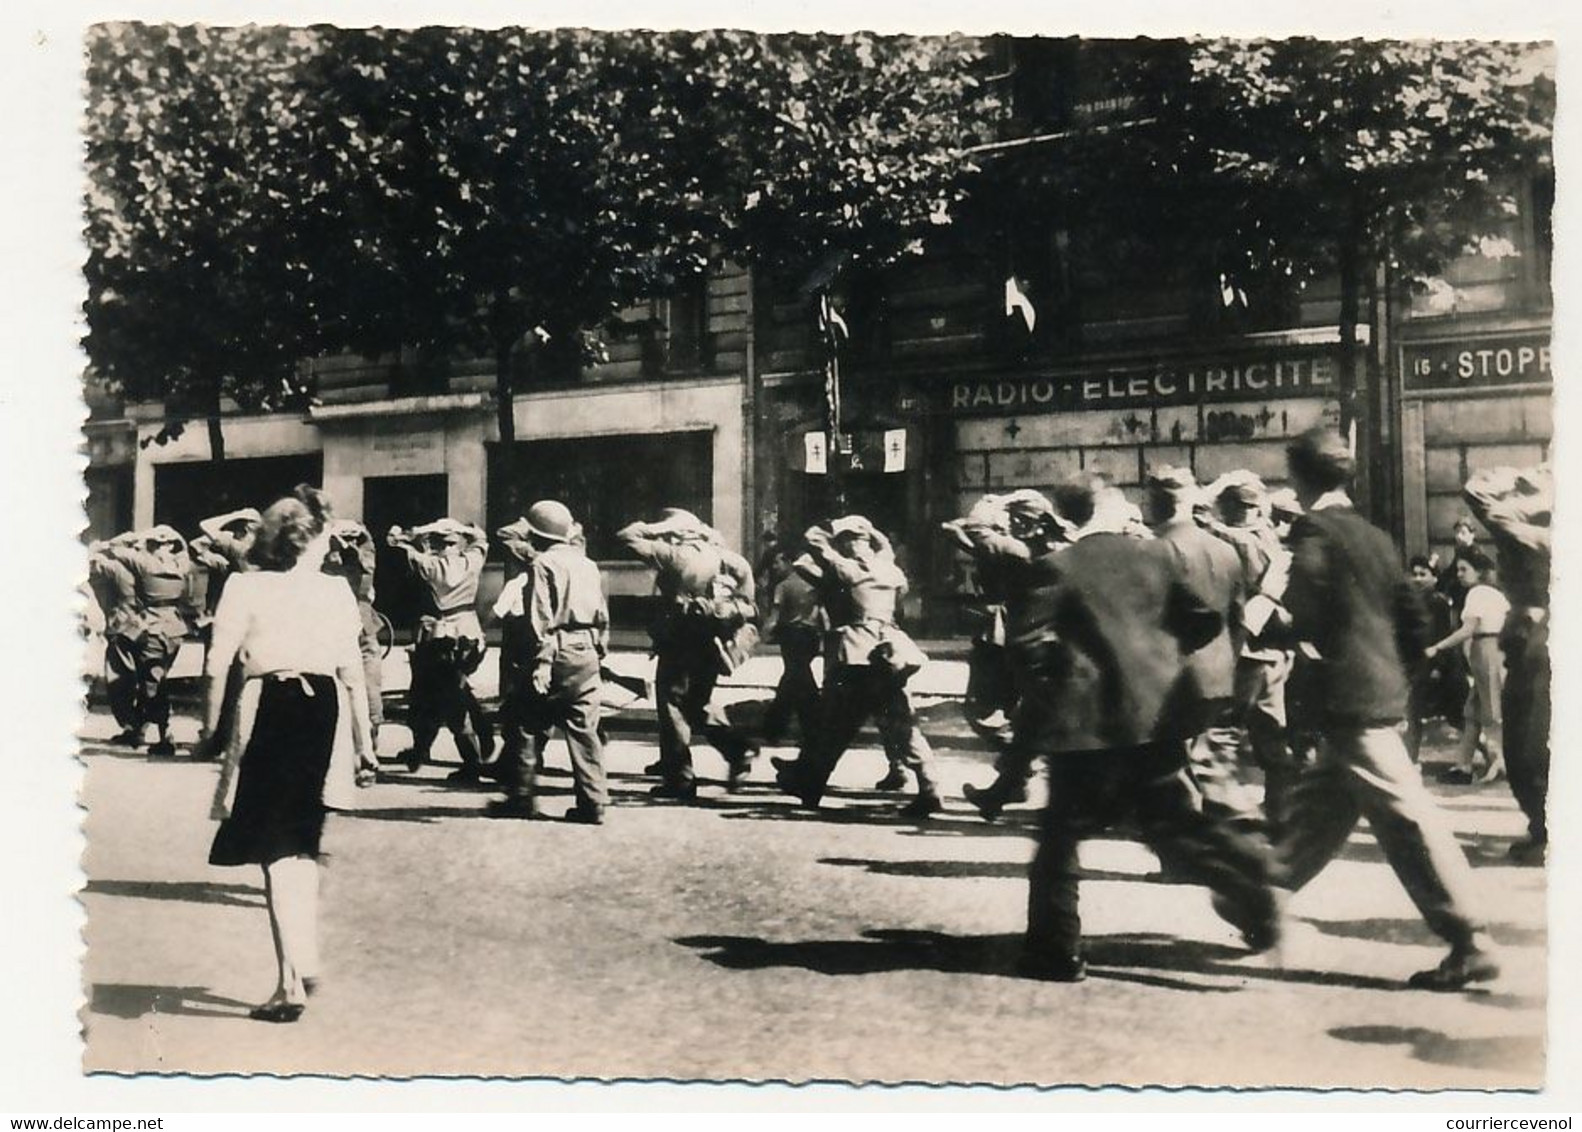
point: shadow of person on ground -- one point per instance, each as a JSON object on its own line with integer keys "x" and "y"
{"x": 1126, "y": 957}
{"x": 192, "y": 892}
{"x": 1499, "y": 1051}
{"x": 133, "y": 1001}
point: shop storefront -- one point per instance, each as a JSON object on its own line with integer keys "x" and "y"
{"x": 1474, "y": 394}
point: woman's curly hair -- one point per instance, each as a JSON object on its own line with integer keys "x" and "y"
{"x": 288, "y": 526}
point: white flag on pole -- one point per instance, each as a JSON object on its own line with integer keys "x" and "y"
{"x": 815, "y": 453}
{"x": 895, "y": 449}
{"x": 1017, "y": 302}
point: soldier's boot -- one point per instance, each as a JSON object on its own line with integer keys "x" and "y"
{"x": 894, "y": 778}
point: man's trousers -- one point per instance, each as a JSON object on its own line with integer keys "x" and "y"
{"x": 572, "y": 705}
{"x": 1366, "y": 772}
{"x": 1089, "y": 790}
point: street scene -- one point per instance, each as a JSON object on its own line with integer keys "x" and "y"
{"x": 745, "y": 938}
{"x": 711, "y": 555}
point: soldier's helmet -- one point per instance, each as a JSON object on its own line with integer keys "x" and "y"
{"x": 550, "y": 520}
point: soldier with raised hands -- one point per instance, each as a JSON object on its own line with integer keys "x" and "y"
{"x": 1516, "y": 507}
{"x": 447, "y": 557}
{"x": 867, "y": 662}
{"x": 705, "y": 593}
{"x": 160, "y": 568}
{"x": 115, "y": 589}
{"x": 1012, "y": 537}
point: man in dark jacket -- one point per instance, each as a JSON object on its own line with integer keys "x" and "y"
{"x": 1106, "y": 637}
{"x": 1349, "y": 600}
{"x": 1212, "y": 569}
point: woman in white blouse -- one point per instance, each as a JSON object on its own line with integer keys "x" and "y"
{"x": 299, "y": 728}
{"x": 1483, "y": 613}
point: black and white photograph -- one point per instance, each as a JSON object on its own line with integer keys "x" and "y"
{"x": 702, "y": 554}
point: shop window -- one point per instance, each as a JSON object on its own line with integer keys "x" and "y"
{"x": 607, "y": 481}
{"x": 189, "y": 492}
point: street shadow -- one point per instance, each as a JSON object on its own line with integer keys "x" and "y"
{"x": 1379, "y": 929}
{"x": 1505, "y": 1051}
{"x": 883, "y": 950}
{"x": 133, "y": 1001}
{"x": 958, "y": 870}
{"x": 423, "y": 815}
{"x": 879, "y": 950}
{"x": 1483, "y": 850}
{"x": 988, "y": 870}
{"x": 190, "y": 892}
{"x": 1145, "y": 958}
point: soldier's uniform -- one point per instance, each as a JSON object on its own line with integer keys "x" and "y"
{"x": 160, "y": 565}
{"x": 1011, "y": 538}
{"x": 115, "y": 589}
{"x": 867, "y": 662}
{"x": 352, "y": 555}
{"x": 693, "y": 568}
{"x": 564, "y": 636}
{"x": 1516, "y": 508}
{"x": 448, "y": 644}
{"x": 796, "y": 623}
{"x": 1263, "y": 668}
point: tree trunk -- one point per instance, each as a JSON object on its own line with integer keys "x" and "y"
{"x": 212, "y": 421}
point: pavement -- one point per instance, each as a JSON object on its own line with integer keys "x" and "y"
{"x": 744, "y": 938}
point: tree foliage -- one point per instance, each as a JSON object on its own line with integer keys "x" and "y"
{"x": 481, "y": 191}
{"x": 201, "y": 274}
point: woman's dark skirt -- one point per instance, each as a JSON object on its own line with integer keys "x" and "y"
{"x": 279, "y": 806}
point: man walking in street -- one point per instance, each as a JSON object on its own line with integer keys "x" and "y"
{"x": 160, "y": 566}
{"x": 866, "y": 664}
{"x": 697, "y": 577}
{"x": 1349, "y": 599}
{"x": 796, "y": 623}
{"x": 1212, "y": 570}
{"x": 352, "y": 555}
{"x": 1239, "y": 515}
{"x": 1012, "y": 538}
{"x": 447, "y": 559}
{"x": 116, "y": 591}
{"x": 1516, "y": 508}
{"x": 564, "y": 637}
{"x": 1107, "y": 634}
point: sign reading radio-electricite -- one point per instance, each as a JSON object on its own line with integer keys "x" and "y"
{"x": 1477, "y": 362}
{"x": 1240, "y": 379}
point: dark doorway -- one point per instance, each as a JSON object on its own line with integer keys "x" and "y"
{"x": 400, "y": 501}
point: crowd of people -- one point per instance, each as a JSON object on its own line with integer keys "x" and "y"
{"x": 1159, "y": 664}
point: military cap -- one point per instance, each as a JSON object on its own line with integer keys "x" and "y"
{"x": 1283, "y": 501}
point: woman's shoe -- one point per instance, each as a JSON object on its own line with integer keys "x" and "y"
{"x": 277, "y": 1012}
{"x": 1492, "y": 773}
{"x": 1456, "y": 776}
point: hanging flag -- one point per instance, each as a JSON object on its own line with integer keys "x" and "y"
{"x": 895, "y": 449}
{"x": 1017, "y": 302}
{"x": 815, "y": 454}
{"x": 829, "y": 318}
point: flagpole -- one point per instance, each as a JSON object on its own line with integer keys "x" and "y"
{"x": 834, "y": 465}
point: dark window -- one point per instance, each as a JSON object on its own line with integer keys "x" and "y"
{"x": 186, "y": 493}
{"x": 607, "y": 481}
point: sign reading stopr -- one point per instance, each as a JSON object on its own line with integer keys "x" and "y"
{"x": 1286, "y": 374}
{"x": 1474, "y": 363}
